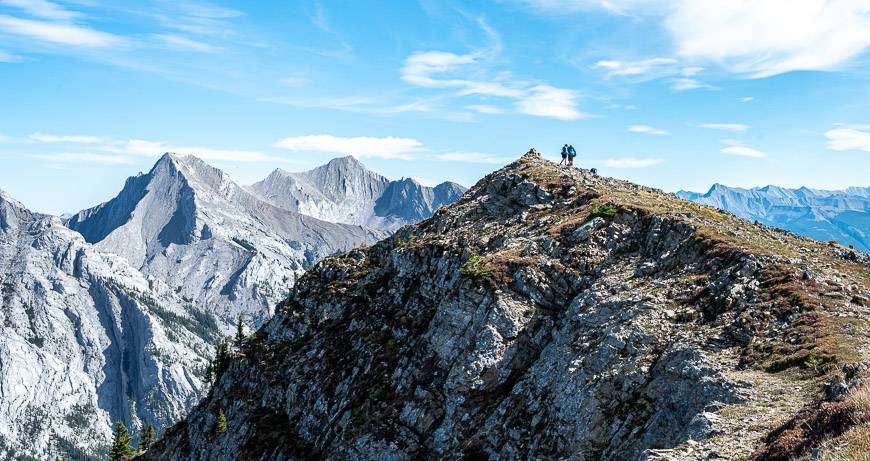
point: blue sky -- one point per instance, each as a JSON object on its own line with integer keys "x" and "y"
{"x": 677, "y": 94}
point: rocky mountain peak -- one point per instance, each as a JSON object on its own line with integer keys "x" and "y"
{"x": 550, "y": 313}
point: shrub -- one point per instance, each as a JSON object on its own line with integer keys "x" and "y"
{"x": 475, "y": 266}
{"x": 604, "y": 210}
{"x": 221, "y": 425}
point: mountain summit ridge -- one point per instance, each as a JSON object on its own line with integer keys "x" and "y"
{"x": 344, "y": 190}
{"x": 190, "y": 224}
{"x": 552, "y": 313}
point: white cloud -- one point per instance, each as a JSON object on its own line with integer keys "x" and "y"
{"x": 434, "y": 69}
{"x": 636, "y": 68}
{"x": 752, "y": 38}
{"x": 4, "y": 138}
{"x": 746, "y": 99}
{"x": 743, "y": 151}
{"x": 184, "y": 43}
{"x": 125, "y": 149}
{"x": 848, "y": 139}
{"x": 66, "y": 34}
{"x": 615, "y": 6}
{"x": 361, "y": 146}
{"x": 6, "y": 57}
{"x": 76, "y": 139}
{"x": 646, "y": 129}
{"x": 85, "y": 157}
{"x": 42, "y": 8}
{"x": 140, "y": 147}
{"x": 485, "y": 109}
{"x": 733, "y": 127}
{"x": 770, "y": 37}
{"x": 548, "y": 101}
{"x": 653, "y": 68}
{"x": 686, "y": 84}
{"x": 474, "y": 157}
{"x": 628, "y": 162}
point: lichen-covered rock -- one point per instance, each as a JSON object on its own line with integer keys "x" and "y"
{"x": 547, "y": 314}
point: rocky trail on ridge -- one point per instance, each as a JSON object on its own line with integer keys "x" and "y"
{"x": 553, "y": 314}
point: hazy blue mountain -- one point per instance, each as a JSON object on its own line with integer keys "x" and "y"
{"x": 841, "y": 215}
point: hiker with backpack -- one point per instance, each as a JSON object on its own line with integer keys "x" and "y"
{"x": 564, "y": 155}
{"x": 571, "y": 154}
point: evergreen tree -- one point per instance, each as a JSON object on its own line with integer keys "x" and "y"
{"x": 121, "y": 448}
{"x": 221, "y": 361}
{"x": 221, "y": 425}
{"x": 240, "y": 332}
{"x": 147, "y": 437}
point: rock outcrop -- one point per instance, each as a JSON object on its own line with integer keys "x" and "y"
{"x": 550, "y": 314}
{"x": 87, "y": 340}
{"x": 344, "y": 191}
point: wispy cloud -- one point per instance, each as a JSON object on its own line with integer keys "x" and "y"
{"x": 59, "y": 33}
{"x": 743, "y": 151}
{"x": 42, "y": 8}
{"x": 848, "y": 139}
{"x": 362, "y": 146}
{"x": 6, "y": 57}
{"x": 628, "y": 162}
{"x": 485, "y": 109}
{"x": 432, "y": 69}
{"x": 185, "y": 43}
{"x": 646, "y": 129}
{"x": 76, "y": 139}
{"x": 474, "y": 157}
{"x": 746, "y": 99}
{"x": 761, "y": 39}
{"x": 754, "y": 39}
{"x": 645, "y": 67}
{"x": 114, "y": 151}
{"x": 733, "y": 127}
{"x": 682, "y": 78}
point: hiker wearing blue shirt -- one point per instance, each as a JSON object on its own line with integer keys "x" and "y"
{"x": 571, "y": 154}
{"x": 564, "y": 155}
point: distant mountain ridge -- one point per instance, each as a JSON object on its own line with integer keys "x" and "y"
{"x": 345, "y": 191}
{"x": 840, "y": 215}
{"x": 189, "y": 224}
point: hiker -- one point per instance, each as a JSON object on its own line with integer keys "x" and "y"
{"x": 564, "y": 155}
{"x": 571, "y": 154}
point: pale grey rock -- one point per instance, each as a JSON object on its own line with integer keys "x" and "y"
{"x": 214, "y": 242}
{"x": 87, "y": 340}
{"x": 344, "y": 191}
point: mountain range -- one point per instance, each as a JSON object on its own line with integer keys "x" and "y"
{"x": 839, "y": 215}
{"x": 343, "y": 191}
{"x": 113, "y": 312}
{"x": 551, "y": 313}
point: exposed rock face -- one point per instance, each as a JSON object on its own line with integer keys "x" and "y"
{"x": 824, "y": 215}
{"x": 215, "y": 243}
{"x": 344, "y": 191}
{"x": 87, "y": 340}
{"x": 547, "y": 314}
